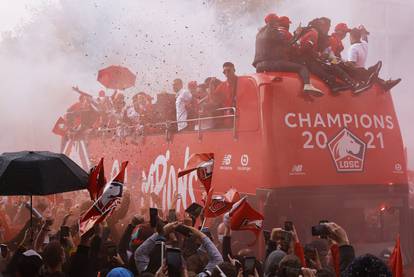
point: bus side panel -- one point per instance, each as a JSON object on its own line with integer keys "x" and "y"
{"x": 340, "y": 139}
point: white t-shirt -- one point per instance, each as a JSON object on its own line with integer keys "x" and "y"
{"x": 358, "y": 53}
{"x": 182, "y": 99}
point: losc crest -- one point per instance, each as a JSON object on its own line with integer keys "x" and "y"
{"x": 347, "y": 152}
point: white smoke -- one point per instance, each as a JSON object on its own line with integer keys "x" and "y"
{"x": 68, "y": 41}
{"x": 66, "y": 44}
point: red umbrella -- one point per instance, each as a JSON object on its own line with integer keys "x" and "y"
{"x": 116, "y": 77}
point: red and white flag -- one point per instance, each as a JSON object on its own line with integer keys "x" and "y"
{"x": 203, "y": 163}
{"x": 60, "y": 127}
{"x": 244, "y": 217}
{"x": 97, "y": 181}
{"x": 217, "y": 205}
{"x": 106, "y": 204}
{"x": 396, "y": 262}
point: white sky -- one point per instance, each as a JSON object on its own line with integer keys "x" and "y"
{"x": 15, "y": 12}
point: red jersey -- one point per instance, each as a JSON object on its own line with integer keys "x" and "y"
{"x": 224, "y": 94}
{"x": 335, "y": 43}
{"x": 287, "y": 36}
{"x": 309, "y": 41}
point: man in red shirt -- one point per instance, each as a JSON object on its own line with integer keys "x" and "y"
{"x": 284, "y": 24}
{"x": 311, "y": 43}
{"x": 335, "y": 40}
{"x": 224, "y": 96}
{"x": 225, "y": 93}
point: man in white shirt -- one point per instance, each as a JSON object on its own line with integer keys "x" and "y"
{"x": 357, "y": 57}
{"x": 182, "y": 100}
{"x": 358, "y": 52}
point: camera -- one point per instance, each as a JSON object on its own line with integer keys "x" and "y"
{"x": 174, "y": 263}
{"x": 153, "y": 217}
{"x": 320, "y": 230}
{"x": 288, "y": 226}
{"x": 249, "y": 265}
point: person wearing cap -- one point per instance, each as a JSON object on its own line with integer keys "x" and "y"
{"x": 284, "y": 21}
{"x": 271, "y": 17}
{"x": 333, "y": 56}
{"x": 311, "y": 42}
{"x": 272, "y": 46}
{"x": 335, "y": 39}
{"x": 284, "y": 26}
{"x": 119, "y": 272}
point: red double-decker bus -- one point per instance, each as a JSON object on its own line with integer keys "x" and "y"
{"x": 338, "y": 157}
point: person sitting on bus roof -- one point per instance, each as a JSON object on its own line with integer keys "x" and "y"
{"x": 182, "y": 100}
{"x": 312, "y": 40}
{"x": 335, "y": 39}
{"x": 363, "y": 80}
{"x": 357, "y": 56}
{"x": 272, "y": 45}
{"x": 284, "y": 22}
{"x": 331, "y": 57}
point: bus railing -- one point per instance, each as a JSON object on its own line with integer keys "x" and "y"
{"x": 199, "y": 120}
{"x": 140, "y": 129}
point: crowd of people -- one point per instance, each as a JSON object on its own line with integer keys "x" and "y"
{"x": 130, "y": 244}
{"x": 196, "y": 106}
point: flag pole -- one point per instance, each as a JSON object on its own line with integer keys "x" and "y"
{"x": 31, "y": 218}
{"x": 204, "y": 221}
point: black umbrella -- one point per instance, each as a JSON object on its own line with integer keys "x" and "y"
{"x": 39, "y": 173}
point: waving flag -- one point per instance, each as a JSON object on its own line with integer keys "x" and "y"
{"x": 203, "y": 163}
{"x": 97, "y": 181}
{"x": 105, "y": 205}
{"x": 396, "y": 263}
{"x": 244, "y": 217}
{"x": 60, "y": 127}
{"x": 217, "y": 205}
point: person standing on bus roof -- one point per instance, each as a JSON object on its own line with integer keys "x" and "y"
{"x": 272, "y": 46}
{"x": 182, "y": 100}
